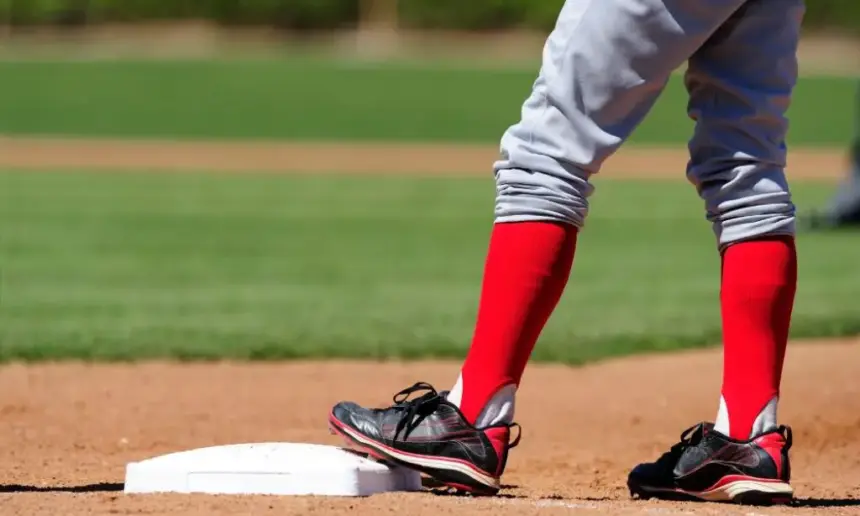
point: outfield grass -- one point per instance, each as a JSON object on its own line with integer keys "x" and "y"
{"x": 319, "y": 99}
{"x": 203, "y": 266}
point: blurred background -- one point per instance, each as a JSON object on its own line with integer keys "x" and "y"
{"x": 506, "y": 29}
{"x": 311, "y": 178}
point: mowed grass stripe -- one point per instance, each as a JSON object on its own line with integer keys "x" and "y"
{"x": 128, "y": 266}
{"x": 318, "y": 99}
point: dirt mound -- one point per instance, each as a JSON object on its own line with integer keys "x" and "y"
{"x": 350, "y": 157}
{"x": 68, "y": 430}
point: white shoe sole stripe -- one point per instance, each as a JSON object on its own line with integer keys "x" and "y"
{"x": 732, "y": 490}
{"x": 737, "y": 488}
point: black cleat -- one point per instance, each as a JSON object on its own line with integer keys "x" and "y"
{"x": 430, "y": 435}
{"x": 709, "y": 466}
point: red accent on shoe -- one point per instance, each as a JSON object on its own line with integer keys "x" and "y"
{"x": 500, "y": 438}
{"x": 773, "y": 443}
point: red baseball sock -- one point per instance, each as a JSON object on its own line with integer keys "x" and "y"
{"x": 525, "y": 274}
{"x": 758, "y": 286}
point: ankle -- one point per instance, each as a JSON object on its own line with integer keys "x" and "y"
{"x": 485, "y": 411}
{"x": 741, "y": 427}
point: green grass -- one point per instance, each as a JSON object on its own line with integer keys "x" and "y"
{"x": 319, "y": 99}
{"x": 126, "y": 266}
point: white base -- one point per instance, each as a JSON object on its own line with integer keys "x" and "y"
{"x": 268, "y": 469}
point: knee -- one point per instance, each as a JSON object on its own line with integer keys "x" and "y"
{"x": 525, "y": 195}
{"x": 750, "y": 206}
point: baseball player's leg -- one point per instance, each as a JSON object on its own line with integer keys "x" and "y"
{"x": 738, "y": 157}
{"x": 740, "y": 83}
{"x": 603, "y": 67}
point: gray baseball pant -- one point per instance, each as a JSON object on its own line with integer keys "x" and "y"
{"x": 605, "y": 64}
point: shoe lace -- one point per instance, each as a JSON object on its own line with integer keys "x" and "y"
{"x": 421, "y": 406}
{"x": 786, "y": 434}
{"x": 689, "y": 437}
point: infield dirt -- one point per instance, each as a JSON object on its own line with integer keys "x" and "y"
{"x": 69, "y": 429}
{"x": 350, "y": 158}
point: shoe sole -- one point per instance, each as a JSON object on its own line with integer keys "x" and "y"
{"x": 733, "y": 489}
{"x": 450, "y": 472}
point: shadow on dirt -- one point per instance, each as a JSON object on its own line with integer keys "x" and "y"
{"x": 440, "y": 489}
{"x": 826, "y": 502}
{"x": 104, "y": 487}
{"x": 433, "y": 487}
